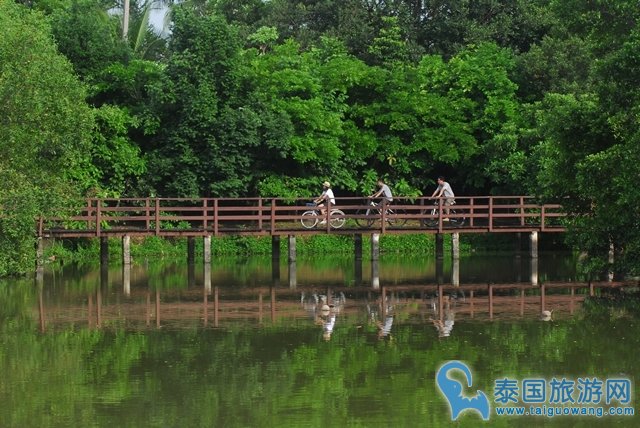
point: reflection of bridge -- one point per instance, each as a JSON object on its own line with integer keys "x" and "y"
{"x": 220, "y": 307}
{"x": 276, "y": 217}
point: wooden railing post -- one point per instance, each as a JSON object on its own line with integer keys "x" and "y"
{"x": 259, "y": 213}
{"x": 89, "y": 206}
{"x": 521, "y": 210}
{"x": 542, "y": 217}
{"x": 216, "y": 219}
{"x": 157, "y": 216}
{"x": 490, "y": 213}
{"x": 147, "y": 214}
{"x": 98, "y": 215}
{"x": 440, "y": 208}
{"x": 273, "y": 216}
{"x": 204, "y": 214}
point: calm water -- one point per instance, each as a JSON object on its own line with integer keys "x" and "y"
{"x": 326, "y": 342}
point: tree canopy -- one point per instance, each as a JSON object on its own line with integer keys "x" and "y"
{"x": 246, "y": 98}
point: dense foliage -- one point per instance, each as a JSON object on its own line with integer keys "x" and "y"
{"x": 245, "y": 98}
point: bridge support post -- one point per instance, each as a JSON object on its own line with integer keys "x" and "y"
{"x": 206, "y": 254}
{"x": 455, "y": 246}
{"x": 357, "y": 247}
{"x": 126, "y": 279}
{"x": 375, "y": 246}
{"x": 455, "y": 272}
{"x": 439, "y": 245}
{"x": 191, "y": 261}
{"x": 40, "y": 263}
{"x": 292, "y": 248}
{"x": 206, "y": 249}
{"x": 275, "y": 247}
{"x": 275, "y": 260}
{"x": 533, "y": 238}
{"x": 104, "y": 251}
{"x": 126, "y": 264}
{"x": 191, "y": 250}
{"x": 39, "y": 254}
{"x": 375, "y": 274}
{"x": 293, "y": 279}
{"x": 534, "y": 271}
{"x": 440, "y": 270}
{"x": 126, "y": 250}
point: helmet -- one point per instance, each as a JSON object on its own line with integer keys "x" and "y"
{"x": 326, "y": 184}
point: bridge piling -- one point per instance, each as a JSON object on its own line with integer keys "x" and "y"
{"x": 293, "y": 281}
{"x": 275, "y": 260}
{"x": 275, "y": 247}
{"x": 126, "y": 250}
{"x": 357, "y": 260}
{"x": 455, "y": 272}
{"x": 533, "y": 238}
{"x": 375, "y": 274}
{"x": 455, "y": 246}
{"x": 375, "y": 246}
{"x": 206, "y": 255}
{"x": 126, "y": 279}
{"x": 439, "y": 245}
{"x": 39, "y": 254}
{"x": 292, "y": 248}
{"x": 293, "y": 277}
{"x": 191, "y": 250}
{"x": 104, "y": 251}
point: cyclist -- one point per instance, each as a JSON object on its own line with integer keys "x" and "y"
{"x": 444, "y": 190}
{"x": 327, "y": 194}
{"x": 383, "y": 191}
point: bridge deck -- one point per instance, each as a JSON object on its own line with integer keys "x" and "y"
{"x": 277, "y": 216}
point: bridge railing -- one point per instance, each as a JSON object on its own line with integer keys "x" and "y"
{"x": 272, "y": 216}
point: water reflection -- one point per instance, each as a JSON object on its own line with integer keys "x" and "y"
{"x": 440, "y": 304}
{"x": 154, "y": 345}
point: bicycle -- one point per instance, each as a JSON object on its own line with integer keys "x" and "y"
{"x": 454, "y": 218}
{"x": 311, "y": 217}
{"x": 366, "y": 218}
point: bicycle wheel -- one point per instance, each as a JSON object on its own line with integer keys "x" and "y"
{"x": 362, "y": 221}
{"x": 309, "y": 219}
{"x": 431, "y": 222}
{"x": 457, "y": 219}
{"x": 337, "y": 222}
{"x": 396, "y": 217}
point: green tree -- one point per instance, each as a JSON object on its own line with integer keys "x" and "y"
{"x": 207, "y": 139}
{"x": 44, "y": 132}
{"x": 588, "y": 152}
{"x": 88, "y": 37}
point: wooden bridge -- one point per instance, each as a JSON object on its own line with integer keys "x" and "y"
{"x": 277, "y": 217}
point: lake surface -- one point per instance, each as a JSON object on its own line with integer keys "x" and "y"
{"x": 328, "y": 341}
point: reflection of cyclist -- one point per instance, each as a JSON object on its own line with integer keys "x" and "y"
{"x": 384, "y": 191}
{"x": 444, "y": 190}
{"x": 384, "y": 330}
{"x": 326, "y": 318}
{"x": 327, "y": 194}
{"x": 445, "y": 326}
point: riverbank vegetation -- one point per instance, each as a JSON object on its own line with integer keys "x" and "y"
{"x": 246, "y": 98}
{"x": 156, "y": 247}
